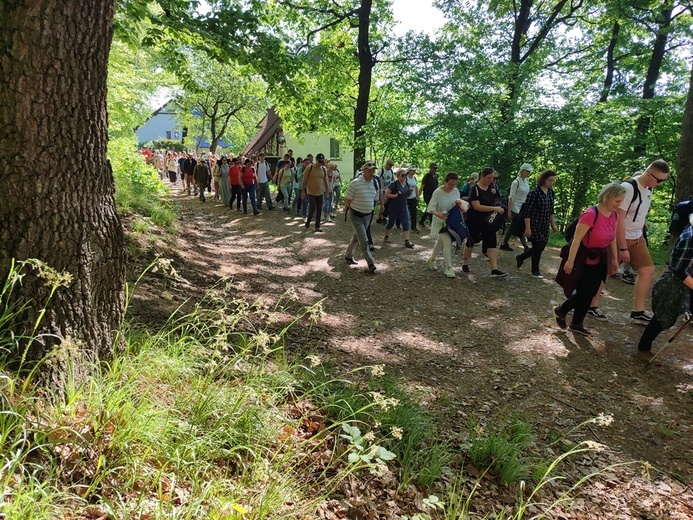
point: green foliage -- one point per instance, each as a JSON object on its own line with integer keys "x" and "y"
{"x": 137, "y": 186}
{"x": 501, "y": 448}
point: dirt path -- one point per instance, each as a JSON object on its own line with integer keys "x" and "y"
{"x": 474, "y": 346}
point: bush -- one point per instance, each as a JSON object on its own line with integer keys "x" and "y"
{"x": 138, "y": 188}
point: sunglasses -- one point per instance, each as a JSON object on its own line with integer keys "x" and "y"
{"x": 659, "y": 181}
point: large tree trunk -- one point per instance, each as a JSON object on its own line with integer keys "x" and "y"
{"x": 610, "y": 63}
{"x": 648, "y": 89}
{"x": 684, "y": 167}
{"x": 56, "y": 184}
{"x": 366, "y": 64}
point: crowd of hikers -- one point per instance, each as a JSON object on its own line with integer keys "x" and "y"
{"x": 607, "y": 236}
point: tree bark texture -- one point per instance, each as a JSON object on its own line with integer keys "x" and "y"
{"x": 56, "y": 184}
{"x": 648, "y": 91}
{"x": 610, "y": 63}
{"x": 366, "y": 64}
{"x": 684, "y": 166}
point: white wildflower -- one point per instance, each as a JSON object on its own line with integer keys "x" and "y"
{"x": 604, "y": 419}
{"x": 377, "y": 371}
{"x": 370, "y": 437}
{"x": 596, "y": 446}
{"x": 316, "y": 312}
{"x": 396, "y": 432}
{"x": 315, "y": 361}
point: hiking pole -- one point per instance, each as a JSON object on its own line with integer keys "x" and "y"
{"x": 671, "y": 339}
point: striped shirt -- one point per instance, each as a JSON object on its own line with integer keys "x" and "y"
{"x": 362, "y": 194}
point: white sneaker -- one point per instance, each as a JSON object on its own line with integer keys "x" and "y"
{"x": 329, "y": 219}
{"x": 450, "y": 273}
{"x": 431, "y": 264}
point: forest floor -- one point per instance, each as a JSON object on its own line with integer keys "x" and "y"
{"x": 471, "y": 347}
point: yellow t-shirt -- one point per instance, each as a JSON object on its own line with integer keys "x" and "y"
{"x": 313, "y": 179}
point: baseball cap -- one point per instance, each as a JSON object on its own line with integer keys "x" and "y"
{"x": 368, "y": 165}
{"x": 433, "y": 165}
{"x": 526, "y": 166}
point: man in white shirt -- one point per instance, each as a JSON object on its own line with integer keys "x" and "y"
{"x": 518, "y": 195}
{"x": 359, "y": 200}
{"x": 262, "y": 169}
{"x": 632, "y": 246}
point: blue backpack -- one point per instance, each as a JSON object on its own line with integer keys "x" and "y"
{"x": 679, "y": 217}
{"x": 455, "y": 226}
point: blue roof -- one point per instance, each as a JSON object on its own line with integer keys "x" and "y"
{"x": 206, "y": 144}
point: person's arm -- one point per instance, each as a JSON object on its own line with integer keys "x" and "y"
{"x": 478, "y": 206}
{"x": 390, "y": 195}
{"x": 324, "y": 181}
{"x": 580, "y": 232}
{"x": 552, "y": 220}
{"x": 623, "y": 254}
{"x": 611, "y": 269}
{"x": 511, "y": 196}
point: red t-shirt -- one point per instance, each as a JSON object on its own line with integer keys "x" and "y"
{"x": 233, "y": 175}
{"x": 601, "y": 234}
{"x": 248, "y": 176}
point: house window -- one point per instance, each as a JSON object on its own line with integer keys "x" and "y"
{"x": 168, "y": 134}
{"x": 175, "y": 135}
{"x": 334, "y": 149}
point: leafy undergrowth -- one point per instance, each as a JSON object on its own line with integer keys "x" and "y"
{"x": 211, "y": 417}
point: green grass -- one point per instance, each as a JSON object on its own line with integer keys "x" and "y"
{"x": 211, "y": 417}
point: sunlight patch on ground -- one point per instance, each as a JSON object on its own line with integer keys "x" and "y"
{"x": 541, "y": 346}
{"x": 255, "y": 233}
{"x": 342, "y": 320}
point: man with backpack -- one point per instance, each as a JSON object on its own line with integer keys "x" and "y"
{"x": 632, "y": 246}
{"x": 264, "y": 175}
{"x": 429, "y": 184}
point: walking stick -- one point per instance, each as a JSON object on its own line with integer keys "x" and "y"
{"x": 671, "y": 339}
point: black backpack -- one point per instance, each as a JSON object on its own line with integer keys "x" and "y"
{"x": 679, "y": 217}
{"x": 569, "y": 232}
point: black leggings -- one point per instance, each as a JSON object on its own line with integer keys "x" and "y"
{"x": 235, "y": 195}
{"x": 588, "y": 285}
{"x": 411, "y": 204}
{"x": 535, "y": 252}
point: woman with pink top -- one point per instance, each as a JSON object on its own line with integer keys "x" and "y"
{"x": 594, "y": 235}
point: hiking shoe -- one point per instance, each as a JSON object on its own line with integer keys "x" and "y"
{"x": 628, "y": 278}
{"x": 648, "y": 357}
{"x": 350, "y": 261}
{"x": 560, "y": 317}
{"x": 449, "y": 272}
{"x": 256, "y": 213}
{"x": 431, "y": 264}
{"x": 518, "y": 261}
{"x": 415, "y": 230}
{"x": 408, "y": 244}
{"x": 318, "y": 230}
{"x": 371, "y": 268}
{"x": 465, "y": 269}
{"x": 595, "y": 313}
{"x": 579, "y": 328}
{"x": 505, "y": 247}
{"x": 498, "y": 274}
{"x": 371, "y": 247}
{"x": 537, "y": 275}
{"x": 640, "y": 317}
{"x": 387, "y": 239}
